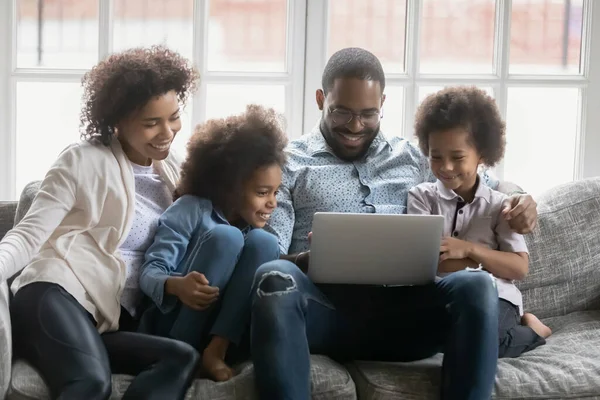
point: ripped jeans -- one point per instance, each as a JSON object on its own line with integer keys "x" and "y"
{"x": 292, "y": 318}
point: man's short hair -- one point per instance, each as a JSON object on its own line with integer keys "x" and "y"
{"x": 352, "y": 62}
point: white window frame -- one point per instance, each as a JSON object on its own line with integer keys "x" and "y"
{"x": 305, "y": 59}
{"x": 587, "y": 162}
{"x": 292, "y": 78}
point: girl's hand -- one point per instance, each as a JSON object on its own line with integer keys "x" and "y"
{"x": 195, "y": 292}
{"x": 454, "y": 249}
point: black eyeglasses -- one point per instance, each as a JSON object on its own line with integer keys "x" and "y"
{"x": 344, "y": 117}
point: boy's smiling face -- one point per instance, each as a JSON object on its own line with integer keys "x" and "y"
{"x": 454, "y": 160}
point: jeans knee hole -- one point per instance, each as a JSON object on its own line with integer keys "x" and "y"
{"x": 275, "y": 283}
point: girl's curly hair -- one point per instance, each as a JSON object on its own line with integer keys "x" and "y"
{"x": 126, "y": 81}
{"x": 224, "y": 153}
{"x": 463, "y": 107}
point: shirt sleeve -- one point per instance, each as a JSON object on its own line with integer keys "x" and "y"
{"x": 56, "y": 197}
{"x": 489, "y": 178}
{"x": 508, "y": 240}
{"x": 426, "y": 172}
{"x": 283, "y": 218}
{"x": 175, "y": 229}
{"x": 417, "y": 202}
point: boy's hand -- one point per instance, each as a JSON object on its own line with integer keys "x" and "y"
{"x": 194, "y": 291}
{"x": 454, "y": 249}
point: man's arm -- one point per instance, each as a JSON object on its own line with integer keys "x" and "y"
{"x": 509, "y": 188}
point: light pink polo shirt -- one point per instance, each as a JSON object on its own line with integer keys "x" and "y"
{"x": 479, "y": 222}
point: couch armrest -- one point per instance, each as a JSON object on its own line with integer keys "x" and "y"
{"x": 5, "y": 341}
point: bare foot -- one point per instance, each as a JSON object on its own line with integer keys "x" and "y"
{"x": 534, "y": 323}
{"x": 213, "y": 360}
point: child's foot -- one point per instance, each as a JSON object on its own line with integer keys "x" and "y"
{"x": 534, "y": 323}
{"x": 213, "y": 360}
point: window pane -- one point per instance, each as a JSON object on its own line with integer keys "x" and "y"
{"x": 247, "y": 35}
{"x": 57, "y": 33}
{"x": 542, "y": 125}
{"x": 546, "y": 36}
{"x": 425, "y": 91}
{"x": 148, "y": 22}
{"x": 392, "y": 123}
{"x": 225, "y": 100}
{"x": 457, "y": 38}
{"x": 378, "y": 26}
{"x": 47, "y": 122}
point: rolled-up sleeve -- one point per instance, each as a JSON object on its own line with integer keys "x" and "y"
{"x": 175, "y": 229}
{"x": 507, "y": 239}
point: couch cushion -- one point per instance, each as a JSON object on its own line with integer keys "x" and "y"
{"x": 329, "y": 381}
{"x": 565, "y": 251}
{"x": 567, "y": 367}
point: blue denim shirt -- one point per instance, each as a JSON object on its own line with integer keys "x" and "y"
{"x": 314, "y": 180}
{"x": 181, "y": 228}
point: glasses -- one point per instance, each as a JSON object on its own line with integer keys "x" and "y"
{"x": 344, "y": 117}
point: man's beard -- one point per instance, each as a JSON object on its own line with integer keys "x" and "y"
{"x": 339, "y": 150}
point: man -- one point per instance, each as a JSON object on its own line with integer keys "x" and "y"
{"x": 347, "y": 165}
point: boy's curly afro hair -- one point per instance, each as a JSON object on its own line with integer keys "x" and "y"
{"x": 126, "y": 81}
{"x": 224, "y": 153}
{"x": 463, "y": 107}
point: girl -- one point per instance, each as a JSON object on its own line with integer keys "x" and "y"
{"x": 460, "y": 129}
{"x": 74, "y": 310}
{"x": 200, "y": 269}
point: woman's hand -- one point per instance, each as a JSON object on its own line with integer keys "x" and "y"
{"x": 193, "y": 290}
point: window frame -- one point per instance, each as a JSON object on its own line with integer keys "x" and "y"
{"x": 292, "y": 78}
{"x": 587, "y": 141}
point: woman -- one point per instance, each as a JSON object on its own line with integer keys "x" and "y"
{"x": 83, "y": 240}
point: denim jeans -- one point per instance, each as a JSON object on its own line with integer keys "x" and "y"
{"x": 292, "y": 317}
{"x": 229, "y": 261}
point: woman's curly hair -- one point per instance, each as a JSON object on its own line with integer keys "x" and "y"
{"x": 463, "y": 107}
{"x": 126, "y": 81}
{"x": 222, "y": 154}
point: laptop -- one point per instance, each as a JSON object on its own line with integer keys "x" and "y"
{"x": 375, "y": 249}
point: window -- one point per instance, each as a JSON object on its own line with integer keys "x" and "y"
{"x": 540, "y": 60}
{"x": 533, "y": 56}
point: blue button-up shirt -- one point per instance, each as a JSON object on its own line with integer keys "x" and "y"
{"x": 315, "y": 180}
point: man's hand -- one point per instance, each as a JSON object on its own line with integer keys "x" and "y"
{"x": 520, "y": 210}
{"x": 454, "y": 249}
{"x": 193, "y": 290}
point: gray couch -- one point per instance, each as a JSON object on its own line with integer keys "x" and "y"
{"x": 563, "y": 288}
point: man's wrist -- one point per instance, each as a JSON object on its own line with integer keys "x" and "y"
{"x": 514, "y": 192}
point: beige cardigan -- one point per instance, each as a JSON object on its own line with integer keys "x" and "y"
{"x": 72, "y": 233}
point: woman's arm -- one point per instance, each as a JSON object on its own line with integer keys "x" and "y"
{"x": 56, "y": 197}
{"x": 175, "y": 229}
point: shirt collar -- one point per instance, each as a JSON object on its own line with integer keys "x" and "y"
{"x": 482, "y": 191}
{"x": 316, "y": 143}
{"x": 221, "y": 218}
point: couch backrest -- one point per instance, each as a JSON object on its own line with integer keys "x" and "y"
{"x": 7, "y": 216}
{"x": 564, "y": 251}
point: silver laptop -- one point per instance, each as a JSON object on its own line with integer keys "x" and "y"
{"x": 375, "y": 249}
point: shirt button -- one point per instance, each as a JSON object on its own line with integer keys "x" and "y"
{"x": 460, "y": 211}
{"x": 455, "y": 233}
